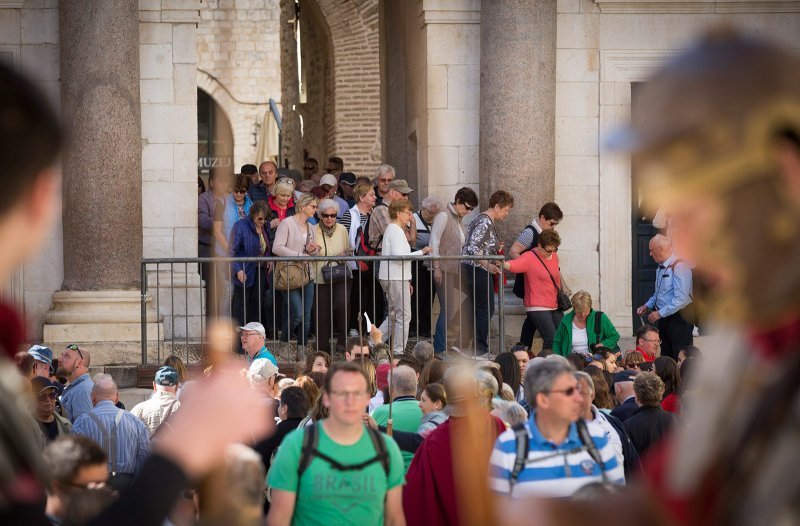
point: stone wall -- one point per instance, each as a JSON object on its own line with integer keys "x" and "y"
{"x": 238, "y": 64}
{"x": 603, "y": 47}
{"x": 168, "y": 87}
{"x": 29, "y": 41}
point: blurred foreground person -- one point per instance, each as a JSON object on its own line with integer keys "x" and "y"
{"x": 30, "y": 142}
{"x": 717, "y": 133}
{"x": 431, "y": 496}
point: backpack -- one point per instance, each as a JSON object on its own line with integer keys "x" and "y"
{"x": 363, "y": 247}
{"x": 519, "y": 279}
{"x": 597, "y": 318}
{"x": 309, "y": 451}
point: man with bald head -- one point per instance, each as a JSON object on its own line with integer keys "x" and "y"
{"x": 123, "y": 437}
{"x": 77, "y": 396}
{"x": 673, "y": 293}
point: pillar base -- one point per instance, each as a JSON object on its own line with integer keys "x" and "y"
{"x": 106, "y": 322}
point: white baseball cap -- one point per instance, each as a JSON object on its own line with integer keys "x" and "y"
{"x": 254, "y": 326}
{"x": 262, "y": 367}
{"x": 328, "y": 179}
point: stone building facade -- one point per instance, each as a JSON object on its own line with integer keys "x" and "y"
{"x": 514, "y": 94}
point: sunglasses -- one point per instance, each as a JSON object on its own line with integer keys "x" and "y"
{"x": 551, "y": 251}
{"x": 328, "y": 216}
{"x": 569, "y": 391}
{"x": 73, "y": 347}
{"x": 468, "y": 208}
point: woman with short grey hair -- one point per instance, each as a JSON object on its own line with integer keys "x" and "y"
{"x": 331, "y": 302}
{"x": 590, "y": 413}
{"x": 421, "y": 279}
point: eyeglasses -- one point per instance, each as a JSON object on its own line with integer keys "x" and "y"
{"x": 343, "y": 395}
{"x": 313, "y": 206}
{"x": 308, "y": 167}
{"x": 550, "y": 251}
{"x": 73, "y": 347}
{"x": 569, "y": 391}
{"x": 328, "y": 216}
{"x": 46, "y": 396}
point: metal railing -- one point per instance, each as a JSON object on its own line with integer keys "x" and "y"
{"x": 189, "y": 292}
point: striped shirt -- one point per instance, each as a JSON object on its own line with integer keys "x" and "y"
{"x": 551, "y": 470}
{"x": 133, "y": 443}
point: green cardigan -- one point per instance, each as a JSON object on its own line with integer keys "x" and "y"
{"x": 562, "y": 343}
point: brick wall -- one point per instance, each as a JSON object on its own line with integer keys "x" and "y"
{"x": 355, "y": 133}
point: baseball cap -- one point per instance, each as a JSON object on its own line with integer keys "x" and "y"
{"x": 328, "y": 179}
{"x": 624, "y": 376}
{"x": 348, "y": 178}
{"x": 401, "y": 186}
{"x": 41, "y": 353}
{"x": 39, "y": 384}
{"x": 262, "y": 367}
{"x": 254, "y": 326}
{"x": 167, "y": 376}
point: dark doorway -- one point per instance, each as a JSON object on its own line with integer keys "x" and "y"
{"x": 644, "y": 267}
{"x": 214, "y": 137}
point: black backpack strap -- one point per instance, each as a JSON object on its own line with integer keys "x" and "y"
{"x": 309, "y": 451}
{"x": 522, "y": 438}
{"x": 380, "y": 448}
{"x": 533, "y": 238}
{"x": 597, "y": 316}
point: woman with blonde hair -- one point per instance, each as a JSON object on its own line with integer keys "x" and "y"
{"x": 584, "y": 329}
{"x": 295, "y": 238}
{"x": 395, "y": 276}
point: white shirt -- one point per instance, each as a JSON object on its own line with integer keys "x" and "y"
{"x": 396, "y": 244}
{"x": 580, "y": 340}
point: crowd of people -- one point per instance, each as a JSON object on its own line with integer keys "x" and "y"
{"x": 368, "y": 439}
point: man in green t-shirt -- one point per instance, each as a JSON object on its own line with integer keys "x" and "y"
{"x": 406, "y": 414}
{"x": 324, "y": 495}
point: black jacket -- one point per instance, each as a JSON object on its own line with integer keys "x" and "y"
{"x": 626, "y": 409}
{"x": 647, "y": 426}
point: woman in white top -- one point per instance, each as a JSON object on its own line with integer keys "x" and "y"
{"x": 395, "y": 276}
{"x": 295, "y": 237}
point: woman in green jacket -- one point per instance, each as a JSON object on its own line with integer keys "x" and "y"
{"x": 578, "y": 330}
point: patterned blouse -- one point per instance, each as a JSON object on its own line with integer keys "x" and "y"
{"x": 481, "y": 239}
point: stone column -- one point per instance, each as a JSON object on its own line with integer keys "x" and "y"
{"x": 518, "y": 98}
{"x": 290, "y": 95}
{"x": 103, "y": 164}
{"x": 102, "y": 194}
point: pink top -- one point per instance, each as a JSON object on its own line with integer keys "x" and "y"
{"x": 539, "y": 289}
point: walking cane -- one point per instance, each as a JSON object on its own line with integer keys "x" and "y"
{"x": 390, "y": 423}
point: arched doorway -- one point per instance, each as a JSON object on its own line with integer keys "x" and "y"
{"x": 214, "y": 137}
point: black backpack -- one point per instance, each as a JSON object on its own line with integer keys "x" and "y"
{"x": 519, "y": 279}
{"x": 309, "y": 451}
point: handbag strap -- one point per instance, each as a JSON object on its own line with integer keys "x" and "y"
{"x": 548, "y": 271}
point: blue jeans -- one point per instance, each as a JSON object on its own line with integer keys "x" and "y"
{"x": 300, "y": 301}
{"x": 479, "y": 287}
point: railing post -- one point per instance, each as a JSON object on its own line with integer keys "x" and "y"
{"x": 143, "y": 300}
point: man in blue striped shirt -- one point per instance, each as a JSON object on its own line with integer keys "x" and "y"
{"x": 122, "y": 436}
{"x": 556, "y": 461}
